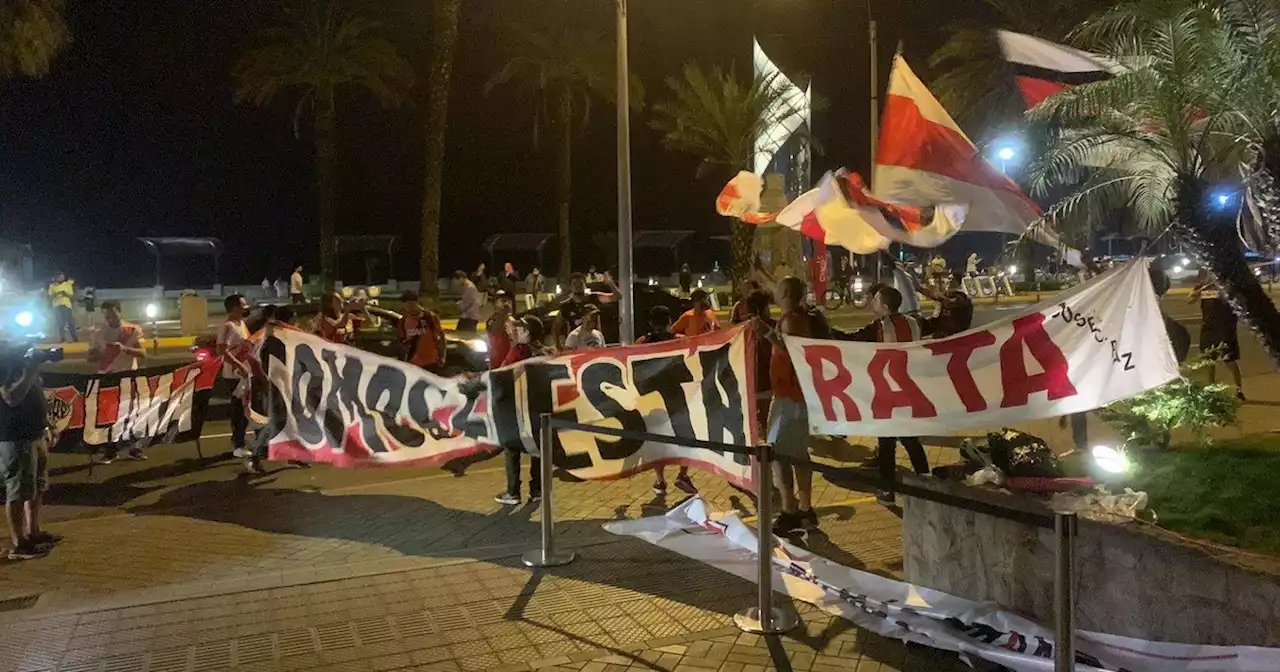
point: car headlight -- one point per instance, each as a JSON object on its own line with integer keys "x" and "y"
{"x": 479, "y": 345}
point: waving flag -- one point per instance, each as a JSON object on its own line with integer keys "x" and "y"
{"x": 740, "y": 198}
{"x": 1044, "y": 68}
{"x": 841, "y": 212}
{"x": 925, "y": 159}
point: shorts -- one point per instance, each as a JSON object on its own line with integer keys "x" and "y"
{"x": 789, "y": 428}
{"x": 18, "y": 465}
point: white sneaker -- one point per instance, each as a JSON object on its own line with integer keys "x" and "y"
{"x": 240, "y": 452}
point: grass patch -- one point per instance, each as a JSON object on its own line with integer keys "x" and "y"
{"x": 1227, "y": 493}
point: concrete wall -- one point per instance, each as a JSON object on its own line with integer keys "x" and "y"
{"x": 1130, "y": 582}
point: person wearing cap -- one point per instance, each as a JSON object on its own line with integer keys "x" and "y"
{"x": 571, "y": 309}
{"x": 528, "y": 332}
{"x": 587, "y": 335}
{"x": 697, "y": 320}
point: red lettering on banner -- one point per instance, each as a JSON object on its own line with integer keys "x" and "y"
{"x": 836, "y": 387}
{"x": 961, "y": 349}
{"x": 108, "y": 406}
{"x": 908, "y": 394}
{"x": 1029, "y": 333}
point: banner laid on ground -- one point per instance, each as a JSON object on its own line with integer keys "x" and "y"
{"x": 162, "y": 404}
{"x": 917, "y": 614}
{"x": 1094, "y": 344}
{"x": 332, "y": 403}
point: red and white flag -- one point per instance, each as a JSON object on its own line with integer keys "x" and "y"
{"x": 924, "y": 159}
{"x": 740, "y": 198}
{"x": 1044, "y": 68}
{"x": 841, "y": 212}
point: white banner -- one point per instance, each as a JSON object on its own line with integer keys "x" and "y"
{"x": 1092, "y": 345}
{"x": 337, "y": 404}
{"x": 922, "y": 615}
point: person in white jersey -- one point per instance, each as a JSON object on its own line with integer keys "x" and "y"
{"x": 233, "y": 336}
{"x": 114, "y": 347}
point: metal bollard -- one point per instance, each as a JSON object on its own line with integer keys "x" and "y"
{"x": 546, "y": 556}
{"x": 764, "y": 618}
{"x": 1064, "y": 592}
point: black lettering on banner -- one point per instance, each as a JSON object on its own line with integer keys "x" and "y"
{"x": 666, "y": 376}
{"x": 594, "y": 376}
{"x": 984, "y": 633}
{"x": 278, "y": 408}
{"x": 343, "y": 397}
{"x": 1078, "y": 319}
{"x": 722, "y": 413}
{"x": 306, "y": 400}
{"x": 390, "y": 382}
{"x": 504, "y": 409}
{"x": 463, "y": 420}
{"x": 1043, "y": 649}
{"x": 540, "y": 379}
{"x": 420, "y": 410}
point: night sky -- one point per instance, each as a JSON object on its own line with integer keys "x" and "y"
{"x": 134, "y": 133}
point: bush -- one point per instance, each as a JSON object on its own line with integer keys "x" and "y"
{"x": 1148, "y": 420}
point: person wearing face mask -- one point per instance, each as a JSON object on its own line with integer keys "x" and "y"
{"x": 528, "y": 343}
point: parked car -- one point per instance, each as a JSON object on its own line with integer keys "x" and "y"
{"x": 379, "y": 336}
{"x": 646, "y": 297}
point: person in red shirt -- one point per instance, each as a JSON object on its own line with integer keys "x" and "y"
{"x": 500, "y": 328}
{"x": 337, "y": 323}
{"x": 789, "y": 417}
{"x": 529, "y": 333}
{"x": 697, "y": 320}
{"x": 421, "y": 334}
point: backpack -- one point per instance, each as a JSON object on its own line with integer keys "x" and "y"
{"x": 1179, "y": 338}
{"x": 818, "y": 325}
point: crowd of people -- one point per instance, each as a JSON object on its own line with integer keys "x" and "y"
{"x": 116, "y": 345}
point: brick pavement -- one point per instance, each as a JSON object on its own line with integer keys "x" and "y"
{"x": 223, "y": 572}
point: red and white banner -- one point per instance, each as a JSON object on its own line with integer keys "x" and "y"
{"x": 1095, "y": 344}
{"x": 918, "y": 614}
{"x": 337, "y": 404}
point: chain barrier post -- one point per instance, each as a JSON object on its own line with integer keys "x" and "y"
{"x": 764, "y": 618}
{"x": 546, "y": 556}
{"x": 1064, "y": 592}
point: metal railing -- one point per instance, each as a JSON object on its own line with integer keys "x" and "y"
{"x": 766, "y": 617}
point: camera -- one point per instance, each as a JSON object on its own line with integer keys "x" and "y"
{"x": 13, "y": 358}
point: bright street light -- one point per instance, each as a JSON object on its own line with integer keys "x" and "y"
{"x": 1110, "y": 460}
{"x": 153, "y": 311}
{"x": 25, "y": 319}
{"x": 1006, "y": 154}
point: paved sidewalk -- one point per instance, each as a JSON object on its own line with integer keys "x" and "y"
{"x": 208, "y": 571}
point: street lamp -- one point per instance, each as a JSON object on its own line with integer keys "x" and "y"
{"x": 1006, "y": 154}
{"x": 626, "y": 309}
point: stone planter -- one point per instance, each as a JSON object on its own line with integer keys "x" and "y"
{"x": 1132, "y": 580}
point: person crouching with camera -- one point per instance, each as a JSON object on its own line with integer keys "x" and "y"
{"x": 24, "y": 455}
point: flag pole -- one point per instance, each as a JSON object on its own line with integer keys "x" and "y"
{"x": 875, "y": 105}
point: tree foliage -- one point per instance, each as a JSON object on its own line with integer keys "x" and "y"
{"x": 32, "y": 34}
{"x": 563, "y": 68}
{"x": 717, "y": 117}
{"x": 314, "y": 54}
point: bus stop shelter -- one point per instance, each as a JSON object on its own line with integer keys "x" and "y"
{"x": 371, "y": 248}
{"x": 523, "y": 243}
{"x": 184, "y": 247}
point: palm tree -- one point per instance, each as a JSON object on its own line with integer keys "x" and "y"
{"x": 313, "y": 54}
{"x": 564, "y": 68}
{"x": 1150, "y": 139}
{"x": 439, "y": 79}
{"x": 32, "y": 34}
{"x": 974, "y": 81}
{"x": 718, "y": 117}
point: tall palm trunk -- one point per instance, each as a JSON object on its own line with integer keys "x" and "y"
{"x": 1264, "y": 186}
{"x": 437, "y": 124}
{"x": 742, "y": 248}
{"x": 326, "y": 182}
{"x": 564, "y": 183}
{"x": 1212, "y": 233}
